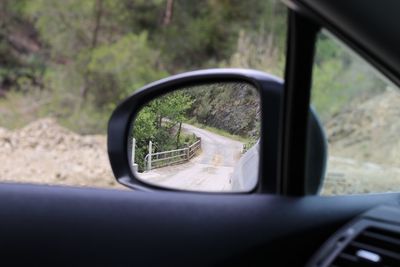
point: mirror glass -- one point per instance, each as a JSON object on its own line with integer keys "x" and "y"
{"x": 199, "y": 138}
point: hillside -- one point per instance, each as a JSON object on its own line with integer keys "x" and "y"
{"x": 364, "y": 146}
{"x": 368, "y": 131}
{"x": 232, "y": 107}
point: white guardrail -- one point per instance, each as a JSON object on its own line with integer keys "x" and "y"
{"x": 166, "y": 158}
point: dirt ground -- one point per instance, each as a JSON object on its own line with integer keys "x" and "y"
{"x": 46, "y": 153}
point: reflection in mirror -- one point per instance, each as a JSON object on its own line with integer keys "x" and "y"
{"x": 199, "y": 138}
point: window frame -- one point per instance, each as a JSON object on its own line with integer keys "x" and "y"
{"x": 306, "y": 18}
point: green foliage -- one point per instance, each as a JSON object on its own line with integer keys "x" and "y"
{"x": 144, "y": 131}
{"x": 119, "y": 69}
{"x": 19, "y": 69}
{"x": 160, "y": 122}
{"x": 257, "y": 50}
{"x": 64, "y": 25}
{"x": 145, "y": 127}
{"x": 172, "y": 106}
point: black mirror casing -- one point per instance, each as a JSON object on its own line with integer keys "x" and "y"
{"x": 270, "y": 89}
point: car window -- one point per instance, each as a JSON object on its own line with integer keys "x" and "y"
{"x": 65, "y": 65}
{"x": 359, "y": 109}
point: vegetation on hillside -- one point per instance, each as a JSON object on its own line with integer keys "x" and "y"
{"x": 75, "y": 60}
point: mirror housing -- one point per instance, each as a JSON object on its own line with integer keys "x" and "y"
{"x": 270, "y": 89}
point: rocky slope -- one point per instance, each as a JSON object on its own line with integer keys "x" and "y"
{"x": 232, "y": 107}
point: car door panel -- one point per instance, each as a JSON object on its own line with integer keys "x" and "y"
{"x": 75, "y": 226}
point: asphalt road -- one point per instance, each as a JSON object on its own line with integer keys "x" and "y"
{"x": 209, "y": 171}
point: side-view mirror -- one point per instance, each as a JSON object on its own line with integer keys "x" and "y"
{"x": 214, "y": 130}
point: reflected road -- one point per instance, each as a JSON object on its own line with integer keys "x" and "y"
{"x": 209, "y": 171}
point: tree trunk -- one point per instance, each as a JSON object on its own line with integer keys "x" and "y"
{"x": 178, "y": 135}
{"x": 159, "y": 122}
{"x": 98, "y": 16}
{"x": 98, "y": 13}
{"x": 168, "y": 13}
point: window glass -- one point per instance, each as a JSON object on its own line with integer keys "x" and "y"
{"x": 360, "y": 112}
{"x": 64, "y": 66}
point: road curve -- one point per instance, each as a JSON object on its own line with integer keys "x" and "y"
{"x": 209, "y": 171}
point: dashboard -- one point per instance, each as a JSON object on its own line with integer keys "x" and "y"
{"x": 372, "y": 239}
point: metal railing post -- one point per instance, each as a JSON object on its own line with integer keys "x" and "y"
{"x": 134, "y": 165}
{"x": 149, "y": 159}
